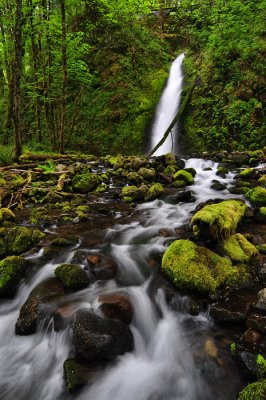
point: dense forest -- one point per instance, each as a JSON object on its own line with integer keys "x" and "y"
{"x": 88, "y": 74}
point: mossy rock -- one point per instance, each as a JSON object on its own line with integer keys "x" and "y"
{"x": 85, "y": 183}
{"x": 72, "y": 276}
{"x": 170, "y": 171}
{"x": 191, "y": 267}
{"x": 170, "y": 159}
{"x": 184, "y": 176}
{"x": 19, "y": 239}
{"x": 115, "y": 161}
{"x": 6, "y": 215}
{"x": 179, "y": 184}
{"x": 254, "y": 391}
{"x": 247, "y": 173}
{"x": 222, "y": 171}
{"x": 101, "y": 188}
{"x": 134, "y": 177}
{"x": 51, "y": 198}
{"x": 147, "y": 173}
{"x": 261, "y": 248}
{"x": 257, "y": 196}
{"x": 238, "y": 249}
{"x": 133, "y": 193}
{"x": 12, "y": 270}
{"x": 262, "y": 180}
{"x": 155, "y": 191}
{"x": 218, "y": 221}
{"x": 138, "y": 162}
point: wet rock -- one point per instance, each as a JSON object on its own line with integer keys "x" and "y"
{"x": 78, "y": 373}
{"x": 12, "y": 270}
{"x": 234, "y": 309}
{"x": 247, "y": 362}
{"x": 44, "y": 294}
{"x": 216, "y": 185}
{"x": 165, "y": 178}
{"x": 191, "y": 171}
{"x": 99, "y": 339}
{"x": 85, "y": 183}
{"x": 260, "y": 303}
{"x": 63, "y": 316}
{"x": 252, "y": 337}
{"x": 155, "y": 191}
{"x": 116, "y": 306}
{"x": 180, "y": 163}
{"x": 257, "y": 321}
{"x": 260, "y": 215}
{"x": 222, "y": 171}
{"x": 102, "y": 268}
{"x": 192, "y": 267}
{"x": 72, "y": 276}
{"x": 79, "y": 257}
{"x": 218, "y": 221}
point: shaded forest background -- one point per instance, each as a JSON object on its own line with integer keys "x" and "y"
{"x": 86, "y": 75}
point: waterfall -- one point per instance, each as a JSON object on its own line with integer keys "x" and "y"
{"x": 167, "y": 109}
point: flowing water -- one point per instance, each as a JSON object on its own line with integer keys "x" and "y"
{"x": 168, "y": 361}
{"x": 167, "y": 109}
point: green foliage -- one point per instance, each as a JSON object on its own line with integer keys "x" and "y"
{"x": 254, "y": 391}
{"x": 48, "y": 167}
{"x": 6, "y": 155}
{"x": 72, "y": 276}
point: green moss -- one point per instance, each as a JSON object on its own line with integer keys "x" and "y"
{"x": 84, "y": 183}
{"x": 170, "y": 159}
{"x": 170, "y": 170}
{"x": 115, "y": 161}
{"x": 17, "y": 181}
{"x": 263, "y": 211}
{"x": 101, "y": 188}
{"x": 238, "y": 248}
{"x": 12, "y": 269}
{"x": 133, "y": 192}
{"x": 155, "y": 191}
{"x": 254, "y": 391}
{"x": 147, "y": 173}
{"x": 134, "y": 177}
{"x": 6, "y": 214}
{"x": 194, "y": 267}
{"x": 261, "y": 248}
{"x": 261, "y": 363}
{"x": 76, "y": 374}
{"x": 218, "y": 220}
{"x": 257, "y": 196}
{"x": 262, "y": 180}
{"x": 233, "y": 348}
{"x": 72, "y": 276}
{"x": 256, "y": 154}
{"x": 247, "y": 173}
{"x": 179, "y": 184}
{"x": 185, "y": 176}
{"x": 222, "y": 171}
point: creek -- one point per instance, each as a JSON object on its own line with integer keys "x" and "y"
{"x": 171, "y": 359}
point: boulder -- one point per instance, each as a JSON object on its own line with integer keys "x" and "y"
{"x": 238, "y": 249}
{"x": 44, "y": 294}
{"x": 216, "y": 185}
{"x": 72, "y": 276}
{"x": 12, "y": 270}
{"x": 260, "y": 303}
{"x": 218, "y": 221}
{"x": 197, "y": 268}
{"x": 102, "y": 268}
{"x": 257, "y": 321}
{"x": 155, "y": 191}
{"x": 18, "y": 239}
{"x": 133, "y": 193}
{"x": 257, "y": 196}
{"x": 116, "y": 306}
{"x": 147, "y": 173}
{"x": 184, "y": 176}
{"x": 234, "y": 308}
{"x": 254, "y": 391}
{"x": 99, "y": 339}
{"x": 84, "y": 183}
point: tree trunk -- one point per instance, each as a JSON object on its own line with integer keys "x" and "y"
{"x": 64, "y": 82}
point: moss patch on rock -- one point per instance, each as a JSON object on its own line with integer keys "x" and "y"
{"x": 254, "y": 391}
{"x": 6, "y": 215}
{"x": 72, "y": 276}
{"x": 84, "y": 183}
{"x": 155, "y": 191}
{"x": 184, "y": 176}
{"x": 257, "y": 196}
{"x": 194, "y": 267}
{"x": 218, "y": 220}
{"x": 238, "y": 248}
{"x": 12, "y": 270}
{"x": 133, "y": 193}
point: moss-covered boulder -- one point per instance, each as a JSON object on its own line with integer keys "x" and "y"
{"x": 170, "y": 170}
{"x": 254, "y": 391}
{"x": 155, "y": 191}
{"x": 72, "y": 276}
{"x": 147, "y": 173}
{"x": 191, "y": 267}
{"x": 84, "y": 183}
{"x": 257, "y": 196}
{"x": 19, "y": 239}
{"x": 262, "y": 180}
{"x": 6, "y": 215}
{"x": 248, "y": 173}
{"x": 133, "y": 193}
{"x": 170, "y": 159}
{"x": 238, "y": 249}
{"x": 184, "y": 176}
{"x": 218, "y": 221}
{"x": 179, "y": 184}
{"x": 34, "y": 309}
{"x": 12, "y": 270}
{"x": 134, "y": 177}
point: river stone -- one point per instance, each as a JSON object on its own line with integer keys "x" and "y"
{"x": 102, "y": 268}
{"x": 247, "y": 362}
{"x": 260, "y": 304}
{"x": 216, "y": 185}
{"x": 46, "y": 293}
{"x": 116, "y": 306}
{"x": 234, "y": 309}
{"x": 99, "y": 339}
{"x": 12, "y": 270}
{"x": 155, "y": 191}
{"x": 258, "y": 322}
{"x": 72, "y": 276}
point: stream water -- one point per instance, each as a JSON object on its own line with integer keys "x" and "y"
{"x": 169, "y": 361}
{"x": 166, "y": 110}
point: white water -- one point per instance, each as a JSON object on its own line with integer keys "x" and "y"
{"x": 167, "y": 109}
{"x": 162, "y": 366}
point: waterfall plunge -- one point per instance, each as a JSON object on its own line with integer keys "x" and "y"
{"x": 167, "y": 109}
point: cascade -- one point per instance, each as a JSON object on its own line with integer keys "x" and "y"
{"x": 162, "y": 365}
{"x": 167, "y": 108}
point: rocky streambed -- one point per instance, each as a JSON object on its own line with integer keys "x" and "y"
{"x": 128, "y": 276}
